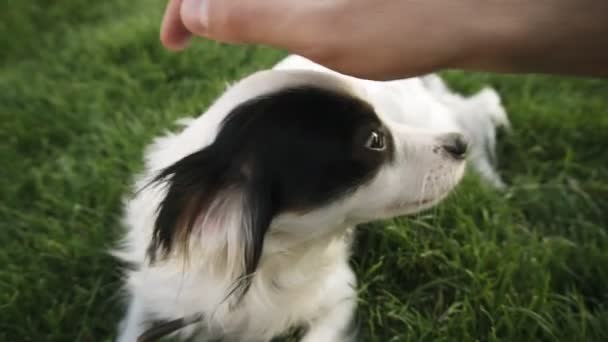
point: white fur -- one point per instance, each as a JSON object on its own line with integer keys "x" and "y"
{"x": 303, "y": 276}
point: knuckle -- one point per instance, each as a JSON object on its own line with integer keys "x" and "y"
{"x": 228, "y": 23}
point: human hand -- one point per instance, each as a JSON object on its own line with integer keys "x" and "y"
{"x": 371, "y": 39}
{"x": 391, "y": 39}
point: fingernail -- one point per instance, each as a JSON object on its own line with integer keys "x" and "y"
{"x": 195, "y": 15}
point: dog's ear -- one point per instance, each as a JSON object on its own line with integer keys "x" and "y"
{"x": 215, "y": 211}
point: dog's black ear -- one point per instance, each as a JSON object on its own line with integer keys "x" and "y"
{"x": 257, "y": 217}
{"x": 191, "y": 185}
{"x": 219, "y": 208}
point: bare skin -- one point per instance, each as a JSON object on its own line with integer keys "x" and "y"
{"x": 390, "y": 39}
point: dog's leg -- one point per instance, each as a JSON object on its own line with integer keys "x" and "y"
{"x": 336, "y": 323}
{"x": 133, "y": 324}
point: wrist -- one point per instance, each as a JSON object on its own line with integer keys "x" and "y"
{"x": 546, "y": 36}
{"x": 486, "y": 36}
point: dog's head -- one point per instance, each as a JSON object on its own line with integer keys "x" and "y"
{"x": 301, "y": 160}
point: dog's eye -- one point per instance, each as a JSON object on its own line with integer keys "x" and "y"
{"x": 375, "y": 141}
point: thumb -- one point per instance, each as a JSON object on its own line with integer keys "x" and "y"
{"x": 279, "y": 23}
{"x": 173, "y": 34}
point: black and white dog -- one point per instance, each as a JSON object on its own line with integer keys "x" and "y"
{"x": 242, "y": 223}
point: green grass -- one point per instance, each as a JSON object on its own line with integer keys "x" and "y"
{"x": 85, "y": 85}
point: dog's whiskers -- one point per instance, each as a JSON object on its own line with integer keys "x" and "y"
{"x": 421, "y": 198}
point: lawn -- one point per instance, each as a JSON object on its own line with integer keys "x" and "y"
{"x": 85, "y": 85}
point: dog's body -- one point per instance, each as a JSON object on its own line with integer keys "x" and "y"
{"x": 247, "y": 222}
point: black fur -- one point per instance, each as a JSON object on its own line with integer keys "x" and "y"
{"x": 293, "y": 150}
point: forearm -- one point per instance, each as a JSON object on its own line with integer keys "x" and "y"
{"x": 543, "y": 36}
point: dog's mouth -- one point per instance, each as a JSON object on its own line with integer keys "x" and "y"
{"x": 434, "y": 194}
{"x": 418, "y": 205}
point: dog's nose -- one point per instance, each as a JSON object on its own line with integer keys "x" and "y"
{"x": 455, "y": 144}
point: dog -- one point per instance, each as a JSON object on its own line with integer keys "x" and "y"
{"x": 241, "y": 223}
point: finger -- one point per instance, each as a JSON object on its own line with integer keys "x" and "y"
{"x": 174, "y": 35}
{"x": 194, "y": 16}
{"x": 279, "y": 23}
